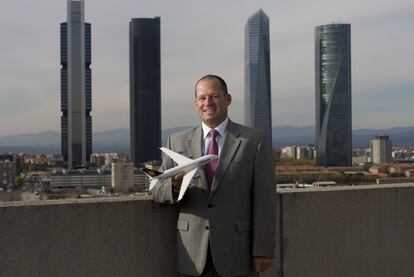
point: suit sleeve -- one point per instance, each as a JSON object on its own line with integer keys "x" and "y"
{"x": 264, "y": 200}
{"x": 163, "y": 190}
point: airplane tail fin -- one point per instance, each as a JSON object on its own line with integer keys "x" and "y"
{"x": 150, "y": 172}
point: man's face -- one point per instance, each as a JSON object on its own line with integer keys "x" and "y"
{"x": 211, "y": 102}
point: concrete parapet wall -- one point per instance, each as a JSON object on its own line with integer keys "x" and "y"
{"x": 357, "y": 231}
{"x": 352, "y": 231}
{"x": 129, "y": 237}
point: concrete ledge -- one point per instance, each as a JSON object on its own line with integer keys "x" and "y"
{"x": 345, "y": 188}
{"x": 75, "y": 201}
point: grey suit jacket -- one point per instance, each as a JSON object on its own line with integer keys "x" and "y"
{"x": 238, "y": 215}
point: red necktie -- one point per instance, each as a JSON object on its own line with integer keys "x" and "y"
{"x": 210, "y": 168}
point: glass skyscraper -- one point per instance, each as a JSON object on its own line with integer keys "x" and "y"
{"x": 76, "y": 86}
{"x": 145, "y": 89}
{"x": 257, "y": 92}
{"x": 333, "y": 95}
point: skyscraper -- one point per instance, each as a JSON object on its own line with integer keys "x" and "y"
{"x": 76, "y": 87}
{"x": 145, "y": 89}
{"x": 333, "y": 95}
{"x": 257, "y": 93}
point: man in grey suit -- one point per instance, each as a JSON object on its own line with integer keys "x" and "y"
{"x": 226, "y": 223}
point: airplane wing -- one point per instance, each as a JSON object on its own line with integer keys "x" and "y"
{"x": 178, "y": 158}
{"x": 186, "y": 182}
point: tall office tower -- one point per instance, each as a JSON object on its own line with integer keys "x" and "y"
{"x": 76, "y": 86}
{"x": 381, "y": 149}
{"x": 333, "y": 95}
{"x": 257, "y": 93}
{"x": 145, "y": 89}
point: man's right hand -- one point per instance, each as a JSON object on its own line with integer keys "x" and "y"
{"x": 177, "y": 180}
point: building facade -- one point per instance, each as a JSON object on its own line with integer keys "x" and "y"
{"x": 333, "y": 95}
{"x": 123, "y": 176}
{"x": 81, "y": 178}
{"x": 257, "y": 91}
{"x": 145, "y": 89}
{"x": 76, "y": 86}
{"x": 381, "y": 149}
{"x": 298, "y": 152}
{"x": 8, "y": 171}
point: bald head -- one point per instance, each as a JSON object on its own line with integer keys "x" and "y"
{"x": 218, "y": 79}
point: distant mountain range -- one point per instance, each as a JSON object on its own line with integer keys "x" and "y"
{"x": 288, "y": 135}
{"x": 117, "y": 140}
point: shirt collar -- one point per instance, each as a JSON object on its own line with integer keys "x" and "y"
{"x": 220, "y": 128}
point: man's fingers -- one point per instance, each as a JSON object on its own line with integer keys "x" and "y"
{"x": 177, "y": 179}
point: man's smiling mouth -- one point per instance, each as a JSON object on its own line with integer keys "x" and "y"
{"x": 209, "y": 110}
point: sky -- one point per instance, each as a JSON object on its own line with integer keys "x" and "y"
{"x": 201, "y": 37}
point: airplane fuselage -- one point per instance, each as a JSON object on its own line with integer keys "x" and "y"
{"x": 186, "y": 167}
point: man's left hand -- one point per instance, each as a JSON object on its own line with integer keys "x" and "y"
{"x": 261, "y": 264}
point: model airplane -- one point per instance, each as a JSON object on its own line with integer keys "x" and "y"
{"x": 186, "y": 165}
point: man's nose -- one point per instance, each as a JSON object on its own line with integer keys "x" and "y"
{"x": 209, "y": 100}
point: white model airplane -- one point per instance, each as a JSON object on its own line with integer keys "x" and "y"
{"x": 186, "y": 165}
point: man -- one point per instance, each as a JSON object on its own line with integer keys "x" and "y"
{"x": 227, "y": 217}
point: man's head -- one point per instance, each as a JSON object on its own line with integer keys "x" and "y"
{"x": 211, "y": 100}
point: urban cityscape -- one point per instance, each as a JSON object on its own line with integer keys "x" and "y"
{"x": 333, "y": 145}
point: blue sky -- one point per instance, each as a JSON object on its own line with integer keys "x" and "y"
{"x": 200, "y": 37}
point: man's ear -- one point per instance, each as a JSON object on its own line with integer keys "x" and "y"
{"x": 228, "y": 99}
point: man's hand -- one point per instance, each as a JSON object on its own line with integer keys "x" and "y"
{"x": 261, "y": 264}
{"x": 177, "y": 180}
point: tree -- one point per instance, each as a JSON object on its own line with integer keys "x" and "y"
{"x": 18, "y": 181}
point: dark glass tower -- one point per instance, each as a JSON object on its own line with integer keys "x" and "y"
{"x": 76, "y": 86}
{"x": 257, "y": 92}
{"x": 333, "y": 95}
{"x": 145, "y": 89}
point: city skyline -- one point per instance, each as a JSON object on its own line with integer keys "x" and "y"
{"x": 382, "y": 60}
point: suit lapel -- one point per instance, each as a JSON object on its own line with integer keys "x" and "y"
{"x": 230, "y": 146}
{"x": 195, "y": 143}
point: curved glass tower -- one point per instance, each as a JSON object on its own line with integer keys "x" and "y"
{"x": 257, "y": 93}
{"x": 333, "y": 95}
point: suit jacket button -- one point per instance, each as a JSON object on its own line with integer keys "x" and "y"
{"x": 207, "y": 228}
{"x": 210, "y": 205}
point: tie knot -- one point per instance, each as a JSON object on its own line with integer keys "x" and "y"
{"x": 213, "y": 133}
